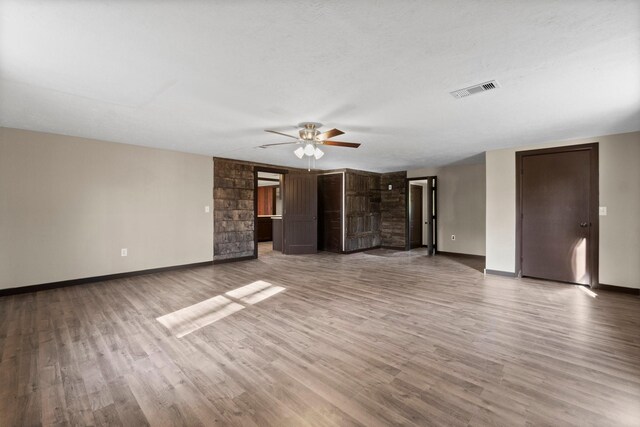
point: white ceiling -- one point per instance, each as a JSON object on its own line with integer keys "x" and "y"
{"x": 208, "y": 76}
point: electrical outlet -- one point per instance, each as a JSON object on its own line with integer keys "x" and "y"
{"x": 206, "y": 209}
{"x": 453, "y": 237}
{"x": 124, "y": 252}
{"x": 603, "y": 211}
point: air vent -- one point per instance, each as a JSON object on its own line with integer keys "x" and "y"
{"x": 482, "y": 87}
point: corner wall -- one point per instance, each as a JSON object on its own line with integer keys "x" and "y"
{"x": 619, "y": 157}
{"x": 461, "y": 207}
{"x": 68, "y": 205}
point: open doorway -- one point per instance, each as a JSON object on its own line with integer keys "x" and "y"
{"x": 269, "y": 205}
{"x": 421, "y": 213}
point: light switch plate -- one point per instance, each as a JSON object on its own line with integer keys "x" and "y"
{"x": 206, "y": 209}
{"x": 603, "y": 211}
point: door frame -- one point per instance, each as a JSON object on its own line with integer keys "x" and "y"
{"x": 407, "y": 184}
{"x": 257, "y": 169}
{"x": 594, "y": 202}
{"x": 416, "y": 190}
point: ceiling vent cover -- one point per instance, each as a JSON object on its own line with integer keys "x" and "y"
{"x": 482, "y": 87}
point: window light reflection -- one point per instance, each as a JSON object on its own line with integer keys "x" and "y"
{"x": 189, "y": 319}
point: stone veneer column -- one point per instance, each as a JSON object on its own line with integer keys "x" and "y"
{"x": 233, "y": 210}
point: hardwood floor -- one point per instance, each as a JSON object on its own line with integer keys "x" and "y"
{"x": 357, "y": 339}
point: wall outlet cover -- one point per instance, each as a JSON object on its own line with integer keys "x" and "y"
{"x": 453, "y": 237}
{"x": 206, "y": 209}
{"x": 603, "y": 211}
{"x": 124, "y": 252}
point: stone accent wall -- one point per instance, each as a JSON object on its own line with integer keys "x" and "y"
{"x": 362, "y": 210}
{"x": 233, "y": 210}
{"x": 393, "y": 209}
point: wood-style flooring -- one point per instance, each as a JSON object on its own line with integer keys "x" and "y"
{"x": 364, "y": 339}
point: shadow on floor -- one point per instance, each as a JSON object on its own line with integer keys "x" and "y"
{"x": 471, "y": 261}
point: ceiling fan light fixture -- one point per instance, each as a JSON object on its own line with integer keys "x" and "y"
{"x": 308, "y": 140}
{"x": 309, "y": 149}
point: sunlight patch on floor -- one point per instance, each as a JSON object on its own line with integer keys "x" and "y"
{"x": 249, "y": 289}
{"x": 262, "y": 295}
{"x": 189, "y": 319}
{"x": 587, "y": 291}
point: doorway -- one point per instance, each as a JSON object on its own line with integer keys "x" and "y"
{"x": 268, "y": 211}
{"x": 557, "y": 214}
{"x": 421, "y": 211}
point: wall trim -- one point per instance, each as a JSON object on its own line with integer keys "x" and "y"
{"x": 228, "y": 260}
{"x": 393, "y": 248}
{"x": 361, "y": 250}
{"x": 499, "y": 273}
{"x": 461, "y": 255}
{"x": 93, "y": 279}
{"x": 614, "y": 288}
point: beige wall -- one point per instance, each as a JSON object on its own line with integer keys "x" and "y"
{"x": 619, "y": 192}
{"x": 68, "y": 205}
{"x": 461, "y": 207}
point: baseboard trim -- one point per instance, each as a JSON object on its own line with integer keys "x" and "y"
{"x": 456, "y": 254}
{"x": 361, "y": 250}
{"x": 228, "y": 260}
{"x": 394, "y": 248}
{"x": 84, "y": 280}
{"x": 499, "y": 273}
{"x": 619, "y": 289}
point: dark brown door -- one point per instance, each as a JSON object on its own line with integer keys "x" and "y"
{"x": 330, "y": 212}
{"x": 556, "y": 215}
{"x": 415, "y": 215}
{"x": 300, "y": 214}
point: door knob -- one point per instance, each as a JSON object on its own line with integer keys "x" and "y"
{"x": 583, "y": 224}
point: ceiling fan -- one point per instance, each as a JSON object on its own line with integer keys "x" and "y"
{"x": 310, "y": 138}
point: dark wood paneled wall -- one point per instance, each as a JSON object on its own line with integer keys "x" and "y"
{"x": 363, "y": 210}
{"x": 394, "y": 214}
{"x": 330, "y": 197}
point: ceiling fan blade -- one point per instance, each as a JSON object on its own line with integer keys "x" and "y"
{"x": 280, "y": 133}
{"x": 341, "y": 144}
{"x": 329, "y": 134}
{"x": 278, "y": 143}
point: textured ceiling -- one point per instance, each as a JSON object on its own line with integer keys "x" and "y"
{"x": 208, "y": 76}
